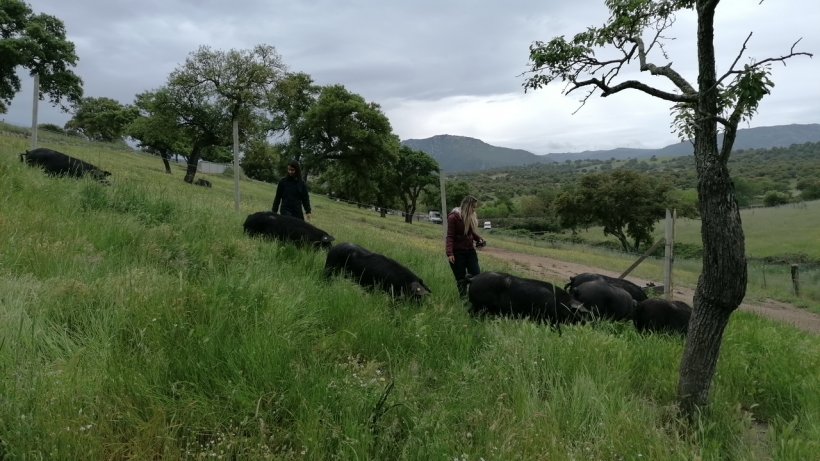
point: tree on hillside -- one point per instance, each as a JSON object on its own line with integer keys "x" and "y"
{"x": 156, "y": 126}
{"x": 263, "y": 161}
{"x": 625, "y": 203}
{"x": 101, "y": 119}
{"x": 204, "y": 122}
{"x": 596, "y": 60}
{"x": 347, "y": 184}
{"x": 236, "y": 83}
{"x": 415, "y": 171}
{"x": 36, "y": 42}
{"x": 344, "y": 130}
{"x": 383, "y": 185}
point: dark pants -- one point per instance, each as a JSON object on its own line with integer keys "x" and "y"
{"x": 293, "y": 212}
{"x": 466, "y": 263}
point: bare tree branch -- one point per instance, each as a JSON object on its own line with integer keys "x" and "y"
{"x": 665, "y": 71}
{"x": 739, "y": 55}
{"x": 782, "y": 59}
{"x": 607, "y": 90}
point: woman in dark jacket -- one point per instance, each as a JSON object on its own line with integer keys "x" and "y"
{"x": 292, "y": 194}
{"x": 461, "y": 242}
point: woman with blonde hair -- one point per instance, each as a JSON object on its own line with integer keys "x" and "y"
{"x": 462, "y": 240}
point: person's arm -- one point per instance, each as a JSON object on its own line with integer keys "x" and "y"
{"x": 448, "y": 240}
{"x": 277, "y": 198}
{"x": 479, "y": 241}
{"x": 305, "y": 200}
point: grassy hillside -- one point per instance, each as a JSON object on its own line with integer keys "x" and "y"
{"x": 775, "y": 233}
{"x": 138, "y": 322}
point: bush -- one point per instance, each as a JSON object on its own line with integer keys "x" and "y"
{"x": 775, "y": 198}
{"x": 809, "y": 190}
{"x": 51, "y": 127}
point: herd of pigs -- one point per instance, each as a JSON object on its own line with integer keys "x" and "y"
{"x": 586, "y": 296}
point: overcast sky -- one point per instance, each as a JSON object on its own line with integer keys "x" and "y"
{"x": 435, "y": 67}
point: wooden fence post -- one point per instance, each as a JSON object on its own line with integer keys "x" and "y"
{"x": 669, "y": 256}
{"x": 796, "y": 279}
{"x": 34, "y": 106}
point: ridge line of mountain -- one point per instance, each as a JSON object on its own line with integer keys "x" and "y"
{"x": 464, "y": 154}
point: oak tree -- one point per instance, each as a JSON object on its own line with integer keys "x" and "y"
{"x": 341, "y": 129}
{"x": 101, "y": 119}
{"x": 625, "y": 203}
{"x": 415, "y": 171}
{"x": 156, "y": 126}
{"x": 37, "y": 43}
{"x": 235, "y": 85}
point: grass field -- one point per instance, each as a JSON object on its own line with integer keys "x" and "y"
{"x": 138, "y": 322}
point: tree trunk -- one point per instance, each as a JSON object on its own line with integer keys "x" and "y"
{"x": 165, "y": 161}
{"x": 408, "y": 214}
{"x": 700, "y": 355}
{"x": 193, "y": 163}
{"x": 722, "y": 283}
{"x": 624, "y": 240}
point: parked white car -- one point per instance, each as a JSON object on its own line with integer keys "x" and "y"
{"x": 434, "y": 217}
{"x": 488, "y": 226}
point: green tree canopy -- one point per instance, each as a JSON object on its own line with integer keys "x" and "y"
{"x": 343, "y": 130}
{"x": 156, "y": 127}
{"x": 213, "y": 89}
{"x": 292, "y": 98}
{"x": 455, "y": 191}
{"x": 625, "y": 203}
{"x": 101, "y": 119}
{"x": 415, "y": 171}
{"x": 36, "y": 42}
{"x": 263, "y": 161}
{"x": 809, "y": 189}
{"x": 239, "y": 80}
{"x": 199, "y": 114}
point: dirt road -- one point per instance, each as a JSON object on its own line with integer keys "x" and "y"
{"x": 560, "y": 270}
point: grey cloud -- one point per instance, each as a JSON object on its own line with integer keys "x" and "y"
{"x": 390, "y": 52}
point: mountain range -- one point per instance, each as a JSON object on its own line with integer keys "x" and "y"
{"x": 464, "y": 154}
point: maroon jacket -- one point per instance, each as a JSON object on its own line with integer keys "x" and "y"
{"x": 456, "y": 241}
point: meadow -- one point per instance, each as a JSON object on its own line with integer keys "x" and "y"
{"x": 138, "y": 322}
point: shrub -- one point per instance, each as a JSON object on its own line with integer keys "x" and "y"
{"x": 774, "y": 198}
{"x": 51, "y": 127}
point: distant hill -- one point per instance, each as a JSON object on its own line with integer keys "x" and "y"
{"x": 464, "y": 154}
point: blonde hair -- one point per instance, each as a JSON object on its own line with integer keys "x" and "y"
{"x": 468, "y": 205}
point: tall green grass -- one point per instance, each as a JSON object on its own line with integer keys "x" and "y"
{"x": 138, "y": 322}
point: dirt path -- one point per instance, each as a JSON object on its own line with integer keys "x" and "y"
{"x": 560, "y": 270}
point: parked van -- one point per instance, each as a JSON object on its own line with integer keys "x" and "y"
{"x": 488, "y": 226}
{"x": 434, "y": 217}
